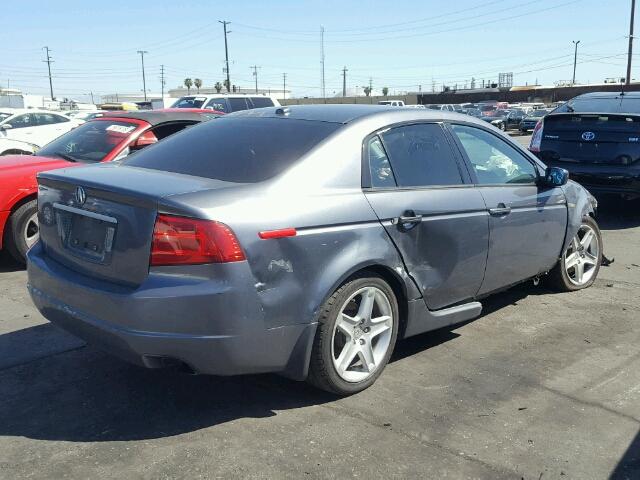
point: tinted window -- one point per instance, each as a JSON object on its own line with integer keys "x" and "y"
{"x": 90, "y": 142}
{"x": 237, "y": 104}
{"x": 49, "y": 118}
{"x": 494, "y": 160}
{"x": 243, "y": 150}
{"x": 189, "y": 102}
{"x": 421, "y": 156}
{"x": 260, "y": 102}
{"x": 218, "y": 104}
{"x": 605, "y": 105}
{"x": 22, "y": 121}
{"x": 379, "y": 166}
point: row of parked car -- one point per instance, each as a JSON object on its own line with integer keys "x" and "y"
{"x": 303, "y": 240}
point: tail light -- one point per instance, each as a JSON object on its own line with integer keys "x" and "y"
{"x": 189, "y": 241}
{"x": 536, "y": 137}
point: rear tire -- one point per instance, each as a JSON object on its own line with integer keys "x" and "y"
{"x": 22, "y": 230}
{"x": 580, "y": 263}
{"x": 356, "y": 335}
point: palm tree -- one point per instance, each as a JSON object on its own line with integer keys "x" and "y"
{"x": 218, "y": 87}
{"x": 385, "y": 91}
{"x": 198, "y": 83}
{"x": 188, "y": 83}
{"x": 227, "y": 85}
{"x": 367, "y": 91}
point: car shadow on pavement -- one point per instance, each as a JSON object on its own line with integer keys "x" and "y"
{"x": 617, "y": 213}
{"x": 8, "y": 264}
{"x": 629, "y": 465}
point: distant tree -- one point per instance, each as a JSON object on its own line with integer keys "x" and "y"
{"x": 227, "y": 85}
{"x": 198, "y": 83}
{"x": 188, "y": 83}
{"x": 367, "y": 91}
{"x": 218, "y": 87}
{"x": 385, "y": 91}
{"x": 234, "y": 89}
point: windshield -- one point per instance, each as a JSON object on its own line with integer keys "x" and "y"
{"x": 4, "y": 116}
{"x": 90, "y": 142}
{"x": 241, "y": 149}
{"x": 601, "y": 105}
{"x": 189, "y": 102}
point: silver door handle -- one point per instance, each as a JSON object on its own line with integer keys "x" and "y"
{"x": 500, "y": 210}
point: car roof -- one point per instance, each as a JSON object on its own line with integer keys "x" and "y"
{"x": 610, "y": 95}
{"x": 344, "y": 113}
{"x": 225, "y": 95}
{"x": 157, "y": 117}
{"x": 16, "y": 111}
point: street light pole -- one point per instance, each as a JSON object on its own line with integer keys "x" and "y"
{"x": 627, "y": 79}
{"x": 575, "y": 60}
{"x": 144, "y": 80}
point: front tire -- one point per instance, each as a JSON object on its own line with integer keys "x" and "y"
{"x": 580, "y": 263}
{"x": 22, "y": 231}
{"x": 356, "y": 335}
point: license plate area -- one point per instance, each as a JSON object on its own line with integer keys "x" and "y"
{"x": 85, "y": 234}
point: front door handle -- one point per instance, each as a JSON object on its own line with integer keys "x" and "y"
{"x": 500, "y": 210}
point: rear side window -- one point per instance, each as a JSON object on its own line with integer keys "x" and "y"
{"x": 218, "y": 104}
{"x": 260, "y": 102}
{"x": 238, "y": 104}
{"x": 241, "y": 150}
{"x": 421, "y": 156}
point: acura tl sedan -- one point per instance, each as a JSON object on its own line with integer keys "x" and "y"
{"x": 303, "y": 240}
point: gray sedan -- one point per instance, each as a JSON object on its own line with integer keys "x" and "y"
{"x": 303, "y": 240}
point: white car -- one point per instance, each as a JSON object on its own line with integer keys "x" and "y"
{"x": 225, "y": 103}
{"x": 32, "y": 127}
{"x": 16, "y": 147}
{"x": 392, "y": 103}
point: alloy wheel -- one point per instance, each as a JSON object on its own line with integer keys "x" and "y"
{"x": 581, "y": 257}
{"x": 362, "y": 334}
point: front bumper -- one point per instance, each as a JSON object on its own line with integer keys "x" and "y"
{"x": 199, "y": 321}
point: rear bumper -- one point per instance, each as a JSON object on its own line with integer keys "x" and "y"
{"x": 4, "y": 216}
{"x": 601, "y": 178}
{"x": 204, "y": 323}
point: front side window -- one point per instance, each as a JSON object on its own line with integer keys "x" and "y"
{"x": 379, "y": 166}
{"x": 217, "y": 104}
{"x": 494, "y": 160}
{"x": 189, "y": 102}
{"x": 421, "y": 156}
{"x": 22, "y": 121}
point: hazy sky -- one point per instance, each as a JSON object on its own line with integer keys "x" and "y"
{"x": 399, "y": 44}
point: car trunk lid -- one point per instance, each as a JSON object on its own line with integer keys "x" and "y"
{"x": 99, "y": 220}
{"x": 594, "y": 138}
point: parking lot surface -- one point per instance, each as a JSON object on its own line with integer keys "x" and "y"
{"x": 542, "y": 385}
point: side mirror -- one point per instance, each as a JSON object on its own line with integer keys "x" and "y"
{"x": 6, "y": 126}
{"x": 145, "y": 139}
{"x": 556, "y": 176}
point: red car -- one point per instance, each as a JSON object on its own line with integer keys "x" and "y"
{"x": 103, "y": 139}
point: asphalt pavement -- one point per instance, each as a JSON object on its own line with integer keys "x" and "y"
{"x": 542, "y": 385}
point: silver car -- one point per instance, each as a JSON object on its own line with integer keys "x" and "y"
{"x": 303, "y": 240}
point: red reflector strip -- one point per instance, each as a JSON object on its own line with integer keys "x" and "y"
{"x": 284, "y": 232}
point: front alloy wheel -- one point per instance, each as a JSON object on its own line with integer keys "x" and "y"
{"x": 356, "y": 334}
{"x": 580, "y": 262}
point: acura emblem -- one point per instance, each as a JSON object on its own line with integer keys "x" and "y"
{"x": 80, "y": 195}
{"x": 588, "y": 136}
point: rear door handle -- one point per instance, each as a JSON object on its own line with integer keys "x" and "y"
{"x": 500, "y": 210}
{"x": 408, "y": 220}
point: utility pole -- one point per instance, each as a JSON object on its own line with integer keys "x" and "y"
{"x": 627, "y": 79}
{"x": 226, "y": 52}
{"x": 48, "y": 61}
{"x": 284, "y": 86}
{"x": 575, "y": 60}
{"x": 144, "y": 80}
{"x": 322, "y": 84}
{"x": 162, "y": 82}
{"x": 91, "y": 93}
{"x": 255, "y": 74}
{"x": 344, "y": 81}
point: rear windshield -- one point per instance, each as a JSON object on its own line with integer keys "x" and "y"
{"x": 241, "y": 150}
{"x": 604, "y": 105}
